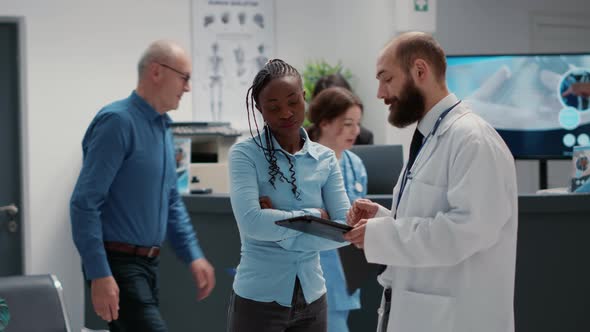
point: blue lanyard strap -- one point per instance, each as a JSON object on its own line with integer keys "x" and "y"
{"x": 407, "y": 173}
{"x": 348, "y": 162}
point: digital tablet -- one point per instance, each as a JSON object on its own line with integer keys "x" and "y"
{"x": 325, "y": 228}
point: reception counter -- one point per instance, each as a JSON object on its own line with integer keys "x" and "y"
{"x": 552, "y": 273}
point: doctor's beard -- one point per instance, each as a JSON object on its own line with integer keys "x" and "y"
{"x": 408, "y": 108}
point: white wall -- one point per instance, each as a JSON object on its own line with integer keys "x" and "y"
{"x": 500, "y": 26}
{"x": 81, "y": 55}
{"x": 349, "y": 31}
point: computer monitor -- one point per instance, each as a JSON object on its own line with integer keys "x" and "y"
{"x": 526, "y": 98}
{"x": 383, "y": 163}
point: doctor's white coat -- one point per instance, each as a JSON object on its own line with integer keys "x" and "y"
{"x": 451, "y": 251}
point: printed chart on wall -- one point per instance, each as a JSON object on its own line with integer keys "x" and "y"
{"x": 232, "y": 40}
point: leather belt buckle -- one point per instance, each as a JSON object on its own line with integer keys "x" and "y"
{"x": 153, "y": 252}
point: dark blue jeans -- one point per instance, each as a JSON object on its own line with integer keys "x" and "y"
{"x": 137, "y": 278}
{"x": 245, "y": 315}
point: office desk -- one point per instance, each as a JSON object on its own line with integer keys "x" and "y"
{"x": 552, "y": 273}
{"x": 552, "y": 291}
{"x": 553, "y": 263}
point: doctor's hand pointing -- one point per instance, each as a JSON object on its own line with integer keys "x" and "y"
{"x": 362, "y": 208}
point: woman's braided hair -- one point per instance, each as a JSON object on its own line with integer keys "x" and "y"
{"x": 274, "y": 68}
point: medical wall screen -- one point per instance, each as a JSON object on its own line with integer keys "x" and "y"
{"x": 528, "y": 99}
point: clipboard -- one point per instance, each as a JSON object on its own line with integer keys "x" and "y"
{"x": 325, "y": 228}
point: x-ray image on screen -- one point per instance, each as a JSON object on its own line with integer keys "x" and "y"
{"x": 522, "y": 96}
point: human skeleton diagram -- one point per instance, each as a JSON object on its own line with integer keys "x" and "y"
{"x": 216, "y": 73}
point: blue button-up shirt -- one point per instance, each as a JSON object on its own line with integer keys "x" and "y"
{"x": 339, "y": 299}
{"x": 272, "y": 256}
{"x": 126, "y": 191}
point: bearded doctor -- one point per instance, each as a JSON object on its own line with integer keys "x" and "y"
{"x": 449, "y": 240}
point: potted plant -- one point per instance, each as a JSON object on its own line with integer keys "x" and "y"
{"x": 313, "y": 70}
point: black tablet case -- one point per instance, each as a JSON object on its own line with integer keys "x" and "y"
{"x": 354, "y": 264}
{"x": 316, "y": 226}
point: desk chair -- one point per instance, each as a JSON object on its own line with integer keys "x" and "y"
{"x": 35, "y": 303}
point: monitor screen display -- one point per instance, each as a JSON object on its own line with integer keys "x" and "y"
{"x": 531, "y": 100}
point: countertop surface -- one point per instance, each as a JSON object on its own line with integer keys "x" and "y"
{"x": 541, "y": 203}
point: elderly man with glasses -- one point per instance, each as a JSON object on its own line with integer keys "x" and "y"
{"x": 126, "y": 201}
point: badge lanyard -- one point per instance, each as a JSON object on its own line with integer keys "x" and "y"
{"x": 407, "y": 172}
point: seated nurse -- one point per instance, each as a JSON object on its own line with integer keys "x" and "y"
{"x": 336, "y": 114}
{"x": 276, "y": 174}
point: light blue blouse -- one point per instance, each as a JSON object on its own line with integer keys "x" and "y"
{"x": 355, "y": 178}
{"x": 272, "y": 256}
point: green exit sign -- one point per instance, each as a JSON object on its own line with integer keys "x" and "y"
{"x": 421, "y": 5}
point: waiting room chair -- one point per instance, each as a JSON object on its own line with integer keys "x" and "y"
{"x": 35, "y": 303}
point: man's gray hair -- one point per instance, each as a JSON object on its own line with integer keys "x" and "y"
{"x": 161, "y": 51}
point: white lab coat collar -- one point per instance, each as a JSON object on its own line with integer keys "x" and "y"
{"x": 427, "y": 123}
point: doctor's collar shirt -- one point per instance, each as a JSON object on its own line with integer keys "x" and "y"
{"x": 426, "y": 125}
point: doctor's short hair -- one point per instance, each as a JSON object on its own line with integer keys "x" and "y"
{"x": 422, "y": 46}
{"x": 329, "y": 105}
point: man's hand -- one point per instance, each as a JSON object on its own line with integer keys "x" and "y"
{"x": 356, "y": 236}
{"x": 204, "y": 276}
{"x": 578, "y": 89}
{"x": 265, "y": 202}
{"x": 361, "y": 209}
{"x": 105, "y": 298}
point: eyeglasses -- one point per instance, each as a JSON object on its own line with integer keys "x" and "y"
{"x": 185, "y": 77}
